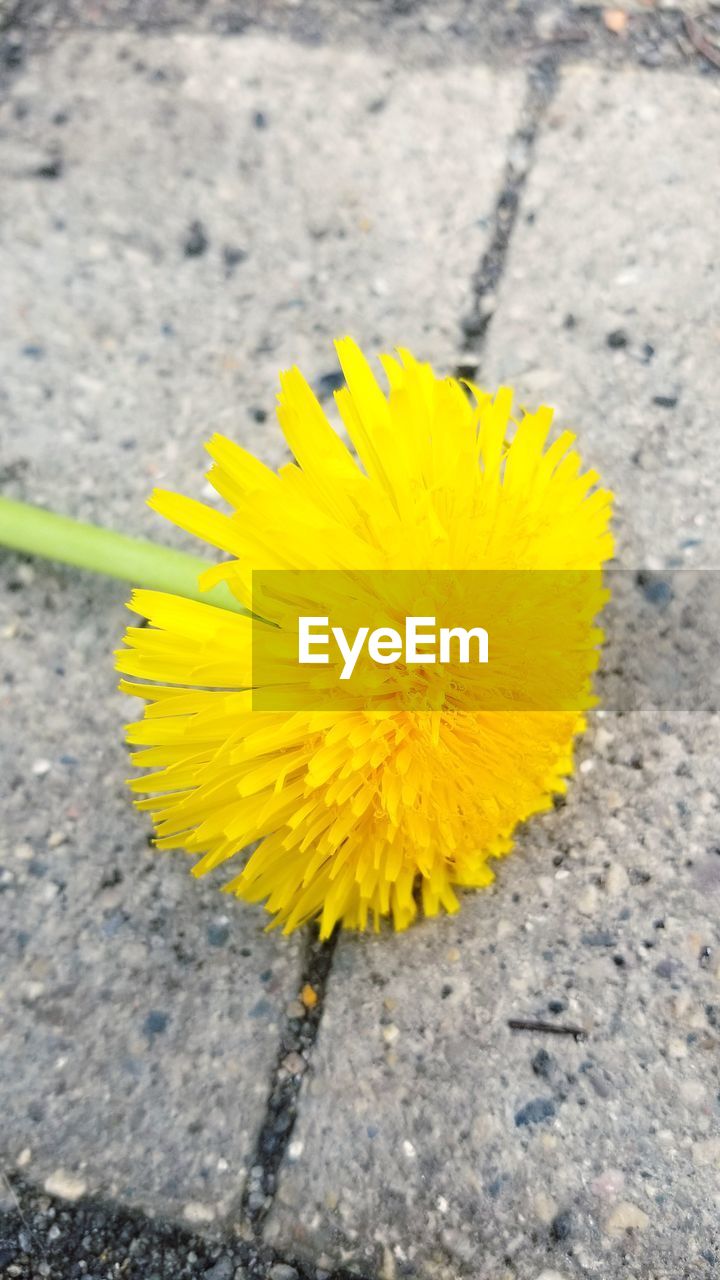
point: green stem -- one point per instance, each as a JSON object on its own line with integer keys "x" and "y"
{"x": 42, "y": 533}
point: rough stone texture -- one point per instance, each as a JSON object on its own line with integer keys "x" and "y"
{"x": 46, "y": 1239}
{"x": 432, "y": 1137}
{"x": 140, "y": 1009}
{"x": 222, "y": 208}
{"x": 432, "y": 30}
{"x": 407, "y": 33}
{"x": 609, "y": 304}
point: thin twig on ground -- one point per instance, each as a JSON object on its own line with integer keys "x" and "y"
{"x": 547, "y": 1028}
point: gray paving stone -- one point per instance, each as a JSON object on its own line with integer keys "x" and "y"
{"x": 609, "y": 305}
{"x": 434, "y": 1140}
{"x": 136, "y": 1054}
{"x": 341, "y": 187}
{"x": 333, "y": 196}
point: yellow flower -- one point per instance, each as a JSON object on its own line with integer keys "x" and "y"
{"x": 359, "y": 814}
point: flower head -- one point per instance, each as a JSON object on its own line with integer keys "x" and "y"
{"x": 360, "y": 813}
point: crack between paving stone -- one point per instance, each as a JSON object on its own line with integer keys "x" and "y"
{"x": 225, "y": 1252}
{"x": 653, "y": 40}
{"x": 124, "y": 1234}
{"x": 297, "y": 1040}
{"x": 299, "y": 1034}
{"x": 541, "y": 87}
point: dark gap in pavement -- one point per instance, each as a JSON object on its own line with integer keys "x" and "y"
{"x": 43, "y": 1236}
{"x": 541, "y": 86}
{"x": 297, "y": 1039}
{"x": 480, "y": 32}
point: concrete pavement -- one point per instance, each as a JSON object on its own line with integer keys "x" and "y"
{"x": 470, "y": 1148}
{"x": 183, "y": 214}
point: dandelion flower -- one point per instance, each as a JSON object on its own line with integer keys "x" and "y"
{"x": 356, "y": 815}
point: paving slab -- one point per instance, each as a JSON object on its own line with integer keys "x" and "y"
{"x": 609, "y": 305}
{"x": 434, "y": 1139}
{"x": 180, "y": 218}
{"x": 185, "y": 216}
{"x": 140, "y": 1011}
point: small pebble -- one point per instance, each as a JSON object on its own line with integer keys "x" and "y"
{"x": 542, "y": 1064}
{"x": 65, "y": 1185}
{"x": 534, "y": 1112}
{"x": 598, "y": 938}
{"x": 217, "y": 934}
{"x": 41, "y": 767}
{"x": 545, "y": 1207}
{"x": 232, "y": 257}
{"x": 198, "y": 1214}
{"x": 294, "y": 1064}
{"x": 561, "y": 1226}
{"x": 692, "y": 1092}
{"x": 626, "y": 1217}
{"x": 50, "y": 168}
{"x": 707, "y": 1152}
{"x": 196, "y": 241}
{"x": 13, "y": 53}
{"x": 327, "y": 383}
{"x": 282, "y": 1271}
{"x": 608, "y": 1184}
{"x": 223, "y": 1269}
{"x": 588, "y": 901}
{"x": 617, "y": 880}
{"x": 617, "y": 339}
{"x": 155, "y": 1023}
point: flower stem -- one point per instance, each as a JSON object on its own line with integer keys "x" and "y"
{"x": 42, "y": 533}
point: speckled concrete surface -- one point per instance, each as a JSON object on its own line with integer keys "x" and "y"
{"x": 185, "y": 216}
{"x": 140, "y": 1010}
{"x": 182, "y": 213}
{"x": 432, "y": 1138}
{"x": 609, "y": 307}
{"x": 180, "y": 218}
